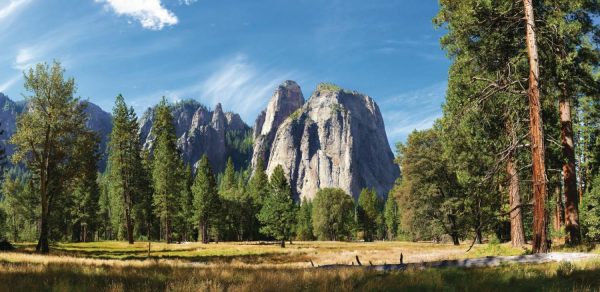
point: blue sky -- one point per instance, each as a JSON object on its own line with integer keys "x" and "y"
{"x": 233, "y": 51}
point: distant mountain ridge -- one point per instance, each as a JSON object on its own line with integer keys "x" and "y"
{"x": 336, "y": 138}
{"x": 199, "y": 131}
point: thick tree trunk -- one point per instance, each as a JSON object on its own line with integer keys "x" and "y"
{"x": 517, "y": 234}
{"x": 282, "y": 243}
{"x": 540, "y": 244}
{"x": 568, "y": 168}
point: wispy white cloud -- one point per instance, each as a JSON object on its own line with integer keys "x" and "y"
{"x": 150, "y": 13}
{"x": 187, "y": 2}
{"x": 238, "y": 84}
{"x": 12, "y": 7}
{"x": 414, "y": 110}
{"x": 9, "y": 83}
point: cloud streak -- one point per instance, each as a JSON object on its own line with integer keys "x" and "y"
{"x": 238, "y": 84}
{"x": 11, "y": 8}
{"x": 414, "y": 110}
{"x": 150, "y": 13}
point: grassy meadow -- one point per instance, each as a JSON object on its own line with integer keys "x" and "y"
{"x": 117, "y": 266}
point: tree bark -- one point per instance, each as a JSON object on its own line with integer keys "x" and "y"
{"x": 517, "y": 234}
{"x": 568, "y": 168}
{"x": 42, "y": 246}
{"x": 540, "y": 244}
{"x": 559, "y": 211}
{"x": 204, "y": 232}
{"x": 282, "y": 243}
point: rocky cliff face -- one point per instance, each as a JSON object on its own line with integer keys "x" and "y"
{"x": 337, "y": 139}
{"x": 286, "y": 100}
{"x": 199, "y": 130}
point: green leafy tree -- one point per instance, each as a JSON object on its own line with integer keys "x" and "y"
{"x": 166, "y": 161}
{"x": 278, "y": 214}
{"x": 47, "y": 136}
{"x": 367, "y": 213}
{"x": 333, "y": 214}
{"x": 429, "y": 195}
{"x": 206, "y": 198}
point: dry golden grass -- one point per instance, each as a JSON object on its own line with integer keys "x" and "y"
{"x": 253, "y": 267}
{"x": 298, "y": 254}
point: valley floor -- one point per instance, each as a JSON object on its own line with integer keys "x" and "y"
{"x": 118, "y": 266}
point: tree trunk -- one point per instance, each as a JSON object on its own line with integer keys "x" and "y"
{"x": 282, "y": 243}
{"x": 42, "y": 246}
{"x": 168, "y": 229}
{"x": 517, "y": 234}
{"x": 540, "y": 244}
{"x": 204, "y": 232}
{"x": 568, "y": 168}
{"x": 128, "y": 223}
{"x": 455, "y": 239}
{"x": 559, "y": 211}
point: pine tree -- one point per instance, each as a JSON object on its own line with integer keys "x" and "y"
{"x": 47, "y": 136}
{"x": 124, "y": 161}
{"x": 278, "y": 214}
{"x": 165, "y": 162}
{"x": 86, "y": 192}
{"x": 206, "y": 198}
{"x": 367, "y": 213}
{"x": 258, "y": 189}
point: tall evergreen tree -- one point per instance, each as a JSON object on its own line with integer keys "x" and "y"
{"x": 124, "y": 161}
{"x": 166, "y": 161}
{"x": 206, "y": 198}
{"x": 85, "y": 189}
{"x": 278, "y": 214}
{"x": 47, "y": 136}
{"x": 367, "y": 213}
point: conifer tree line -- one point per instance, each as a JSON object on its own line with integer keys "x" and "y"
{"x": 519, "y": 132}
{"x": 54, "y": 192}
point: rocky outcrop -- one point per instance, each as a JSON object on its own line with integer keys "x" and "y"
{"x": 337, "y": 139}
{"x": 200, "y": 130}
{"x": 286, "y": 100}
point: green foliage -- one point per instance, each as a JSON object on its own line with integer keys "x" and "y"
{"x": 48, "y": 140}
{"x": 304, "y": 227}
{"x": 206, "y": 197}
{"x": 278, "y": 213}
{"x": 166, "y": 161}
{"x": 391, "y": 217}
{"x": 590, "y": 212}
{"x": 368, "y": 211}
{"x": 333, "y": 214}
{"x": 429, "y": 196}
{"x": 19, "y": 206}
{"x": 324, "y": 86}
